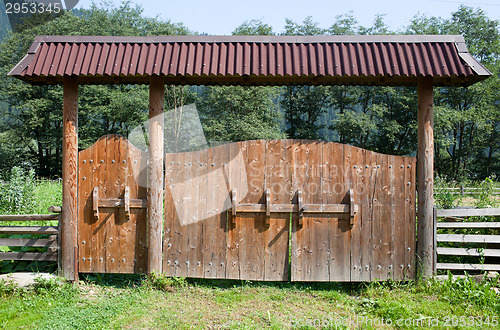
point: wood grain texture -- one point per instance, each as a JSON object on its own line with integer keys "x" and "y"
{"x": 425, "y": 175}
{"x": 69, "y": 226}
{"x": 111, "y": 243}
{"x": 155, "y": 173}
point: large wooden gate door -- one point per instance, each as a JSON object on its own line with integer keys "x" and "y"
{"x": 378, "y": 242}
{"x": 112, "y": 214}
{"x": 229, "y": 211}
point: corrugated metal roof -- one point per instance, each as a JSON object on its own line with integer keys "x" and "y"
{"x": 260, "y": 60}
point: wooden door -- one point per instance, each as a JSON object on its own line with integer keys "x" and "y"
{"x": 112, "y": 214}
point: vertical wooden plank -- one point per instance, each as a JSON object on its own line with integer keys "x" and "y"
{"x": 391, "y": 204}
{"x": 278, "y": 173}
{"x": 85, "y": 212}
{"x": 425, "y": 174}
{"x": 215, "y": 226}
{"x": 234, "y": 240}
{"x": 334, "y": 191}
{"x": 361, "y": 176}
{"x": 69, "y": 225}
{"x": 399, "y": 218}
{"x": 155, "y": 174}
{"x": 111, "y": 190}
{"x": 98, "y": 227}
{"x": 251, "y": 227}
{"x": 385, "y": 217}
{"x": 173, "y": 233}
{"x": 301, "y": 251}
{"x": 182, "y": 203}
{"x": 410, "y": 219}
{"x": 198, "y": 195}
{"x": 137, "y": 161}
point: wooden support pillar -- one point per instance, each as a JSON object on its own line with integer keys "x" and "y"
{"x": 155, "y": 173}
{"x": 68, "y": 223}
{"x": 425, "y": 177}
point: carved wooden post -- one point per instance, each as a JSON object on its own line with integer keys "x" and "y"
{"x": 155, "y": 174}
{"x": 425, "y": 177}
{"x": 69, "y": 229}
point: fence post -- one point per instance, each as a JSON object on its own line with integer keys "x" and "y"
{"x": 425, "y": 175}
{"x": 155, "y": 173}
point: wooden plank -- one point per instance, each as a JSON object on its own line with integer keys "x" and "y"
{"x": 401, "y": 218}
{"x": 468, "y": 238}
{"x": 98, "y": 227}
{"x": 363, "y": 178}
{"x": 34, "y": 230}
{"x": 118, "y": 203}
{"x": 468, "y": 252}
{"x": 214, "y": 227}
{"x": 85, "y": 209}
{"x": 468, "y": 212}
{"x": 288, "y": 208}
{"x": 173, "y": 230}
{"x": 388, "y": 202}
{"x": 69, "y": 226}
{"x": 28, "y": 242}
{"x": 464, "y": 225}
{"x": 301, "y": 259}
{"x": 28, "y": 256}
{"x": 469, "y": 267}
{"x": 32, "y": 217}
{"x": 155, "y": 173}
{"x": 410, "y": 226}
{"x": 278, "y": 175}
{"x": 237, "y": 228}
{"x": 379, "y": 218}
{"x": 425, "y": 174}
{"x": 334, "y": 191}
{"x": 198, "y": 194}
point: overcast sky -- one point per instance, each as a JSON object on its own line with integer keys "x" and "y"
{"x": 221, "y": 17}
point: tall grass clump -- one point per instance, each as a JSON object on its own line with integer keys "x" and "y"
{"x": 17, "y": 196}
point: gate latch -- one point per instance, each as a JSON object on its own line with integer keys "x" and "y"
{"x": 126, "y": 203}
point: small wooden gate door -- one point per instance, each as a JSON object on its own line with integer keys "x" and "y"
{"x": 112, "y": 215}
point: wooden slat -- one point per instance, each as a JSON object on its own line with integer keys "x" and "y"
{"x": 478, "y": 267}
{"x": 117, "y": 203}
{"x": 288, "y": 208}
{"x": 364, "y": 244}
{"x": 278, "y": 178}
{"x": 463, "y": 225}
{"x": 468, "y": 252}
{"x": 468, "y": 238}
{"x": 334, "y": 191}
{"x": 468, "y": 212}
{"x": 28, "y": 242}
{"x": 28, "y": 256}
{"x": 410, "y": 211}
{"x": 214, "y": 226}
{"x": 34, "y": 230}
{"x": 401, "y": 217}
{"x": 32, "y": 217}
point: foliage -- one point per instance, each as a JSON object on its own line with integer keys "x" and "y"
{"x": 18, "y": 195}
{"x": 444, "y": 197}
{"x": 164, "y": 283}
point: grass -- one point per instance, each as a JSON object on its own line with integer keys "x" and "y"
{"x": 116, "y": 302}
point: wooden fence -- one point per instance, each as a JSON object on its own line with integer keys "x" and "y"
{"x": 467, "y": 239}
{"x": 50, "y": 233}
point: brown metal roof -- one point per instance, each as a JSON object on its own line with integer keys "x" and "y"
{"x": 252, "y": 60}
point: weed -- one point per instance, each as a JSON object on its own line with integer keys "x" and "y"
{"x": 164, "y": 283}
{"x": 8, "y": 287}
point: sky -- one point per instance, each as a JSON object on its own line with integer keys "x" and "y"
{"x": 221, "y": 17}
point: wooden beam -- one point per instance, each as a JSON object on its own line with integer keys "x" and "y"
{"x": 33, "y": 217}
{"x": 69, "y": 229}
{"x": 458, "y": 238}
{"x": 155, "y": 173}
{"x": 425, "y": 176}
{"x": 463, "y": 225}
{"x": 25, "y": 230}
{"x": 29, "y": 256}
{"x": 468, "y": 212}
{"x": 472, "y": 252}
{"x": 479, "y": 267}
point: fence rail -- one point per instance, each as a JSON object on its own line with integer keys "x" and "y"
{"x": 463, "y": 191}
{"x": 52, "y": 243}
{"x": 468, "y": 243}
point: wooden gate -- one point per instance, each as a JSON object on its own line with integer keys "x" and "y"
{"x": 112, "y": 214}
{"x": 229, "y": 211}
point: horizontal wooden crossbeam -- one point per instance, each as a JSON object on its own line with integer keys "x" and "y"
{"x": 126, "y": 203}
{"x": 349, "y": 209}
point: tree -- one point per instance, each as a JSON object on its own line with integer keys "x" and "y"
{"x": 35, "y": 112}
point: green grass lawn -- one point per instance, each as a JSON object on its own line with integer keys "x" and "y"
{"x": 133, "y": 302}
